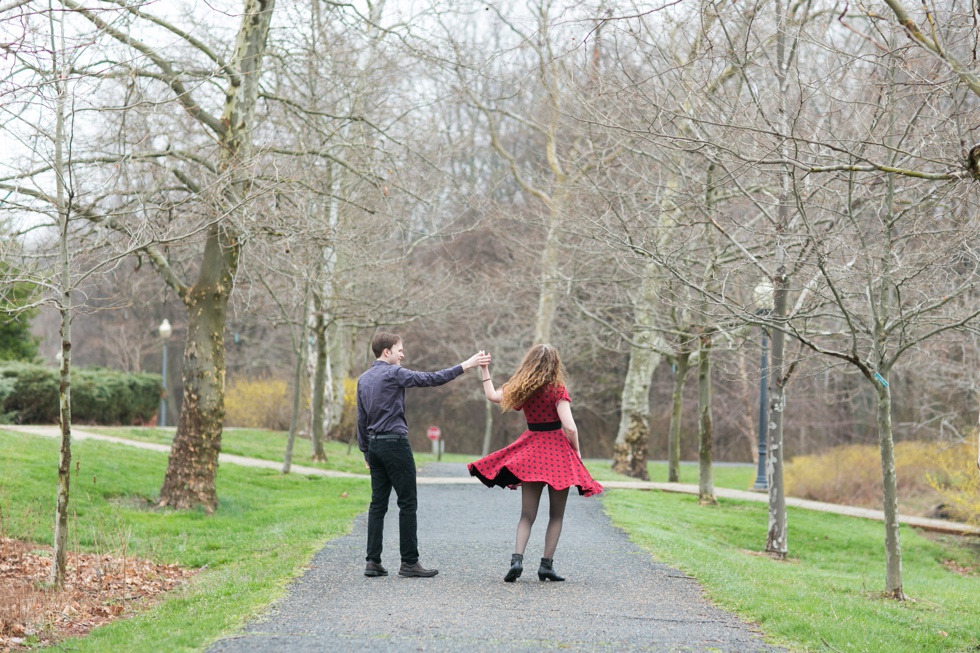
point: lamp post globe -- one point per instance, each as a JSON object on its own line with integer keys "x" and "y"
{"x": 165, "y": 332}
{"x": 763, "y": 295}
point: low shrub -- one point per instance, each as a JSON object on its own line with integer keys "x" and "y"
{"x": 106, "y": 396}
{"x": 852, "y": 474}
{"x": 29, "y": 395}
{"x": 346, "y": 427}
{"x": 264, "y": 403}
{"x": 957, "y": 480}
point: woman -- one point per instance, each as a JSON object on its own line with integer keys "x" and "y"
{"x": 547, "y": 453}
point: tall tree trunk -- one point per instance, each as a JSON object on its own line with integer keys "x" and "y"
{"x": 337, "y": 351}
{"x": 321, "y": 403}
{"x": 886, "y": 443}
{"x": 338, "y": 354}
{"x": 548, "y": 292}
{"x": 190, "y": 478}
{"x": 630, "y": 449}
{"x": 776, "y": 539}
{"x": 706, "y": 435}
{"x": 59, "y": 561}
{"x": 329, "y": 344}
{"x": 887, "y": 301}
{"x": 706, "y": 485}
{"x": 682, "y": 365}
{"x": 193, "y": 466}
{"x": 299, "y": 349}
{"x": 487, "y": 429}
{"x": 59, "y": 554}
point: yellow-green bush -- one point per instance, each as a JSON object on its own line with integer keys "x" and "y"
{"x": 957, "y": 480}
{"x": 852, "y": 474}
{"x": 258, "y": 403}
{"x": 346, "y": 425}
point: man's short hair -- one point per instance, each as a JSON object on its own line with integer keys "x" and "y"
{"x": 384, "y": 341}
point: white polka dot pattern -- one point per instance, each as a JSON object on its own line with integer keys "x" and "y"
{"x": 542, "y": 456}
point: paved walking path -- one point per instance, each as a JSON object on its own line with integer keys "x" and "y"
{"x": 231, "y": 459}
{"x": 616, "y": 598}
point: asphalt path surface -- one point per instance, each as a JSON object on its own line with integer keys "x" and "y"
{"x": 615, "y": 597}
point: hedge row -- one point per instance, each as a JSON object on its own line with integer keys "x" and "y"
{"x": 29, "y": 395}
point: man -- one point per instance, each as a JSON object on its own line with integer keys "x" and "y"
{"x": 382, "y": 434}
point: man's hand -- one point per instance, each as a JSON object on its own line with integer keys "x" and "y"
{"x": 479, "y": 359}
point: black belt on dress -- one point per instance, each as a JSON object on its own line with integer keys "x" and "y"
{"x": 387, "y": 436}
{"x": 543, "y": 426}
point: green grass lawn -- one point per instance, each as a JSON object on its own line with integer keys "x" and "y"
{"x": 271, "y": 445}
{"x": 265, "y": 531}
{"x": 828, "y": 595}
{"x": 740, "y": 477}
{"x": 253, "y": 443}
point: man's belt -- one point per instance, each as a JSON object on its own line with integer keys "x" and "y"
{"x": 543, "y": 426}
{"x": 387, "y": 436}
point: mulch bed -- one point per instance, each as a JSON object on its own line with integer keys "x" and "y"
{"x": 98, "y": 589}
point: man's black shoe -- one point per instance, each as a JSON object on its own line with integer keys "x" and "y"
{"x": 416, "y": 570}
{"x": 375, "y": 569}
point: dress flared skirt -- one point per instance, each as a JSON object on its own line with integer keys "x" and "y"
{"x": 536, "y": 456}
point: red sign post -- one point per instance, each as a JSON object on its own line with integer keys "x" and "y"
{"x": 434, "y": 435}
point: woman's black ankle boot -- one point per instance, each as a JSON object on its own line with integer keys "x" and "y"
{"x": 516, "y": 567}
{"x": 547, "y": 572}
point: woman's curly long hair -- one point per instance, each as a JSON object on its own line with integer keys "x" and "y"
{"x": 541, "y": 366}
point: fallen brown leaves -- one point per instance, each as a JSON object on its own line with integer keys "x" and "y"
{"x": 98, "y": 589}
{"x": 956, "y": 568}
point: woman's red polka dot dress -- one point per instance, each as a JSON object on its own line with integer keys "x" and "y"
{"x": 542, "y": 456}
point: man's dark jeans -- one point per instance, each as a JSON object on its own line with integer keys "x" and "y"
{"x": 392, "y": 466}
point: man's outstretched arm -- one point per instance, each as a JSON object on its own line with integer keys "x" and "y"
{"x": 410, "y": 379}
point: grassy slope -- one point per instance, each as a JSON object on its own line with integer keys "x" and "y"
{"x": 733, "y": 477}
{"x": 271, "y": 445}
{"x": 830, "y": 588}
{"x": 252, "y": 443}
{"x": 267, "y": 528}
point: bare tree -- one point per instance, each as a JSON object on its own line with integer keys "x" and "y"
{"x": 869, "y": 262}
{"x": 551, "y": 170}
{"x": 43, "y": 116}
{"x": 193, "y": 463}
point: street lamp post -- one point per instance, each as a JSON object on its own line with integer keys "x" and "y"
{"x": 165, "y": 332}
{"x": 763, "y": 300}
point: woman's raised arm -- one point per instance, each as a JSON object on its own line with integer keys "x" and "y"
{"x": 493, "y": 395}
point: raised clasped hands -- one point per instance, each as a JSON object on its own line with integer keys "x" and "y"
{"x": 479, "y": 359}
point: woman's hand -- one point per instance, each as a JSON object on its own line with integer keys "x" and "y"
{"x": 479, "y": 359}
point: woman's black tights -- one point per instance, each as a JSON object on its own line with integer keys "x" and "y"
{"x": 530, "y": 499}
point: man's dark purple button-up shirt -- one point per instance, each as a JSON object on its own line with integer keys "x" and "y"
{"x": 381, "y": 397}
